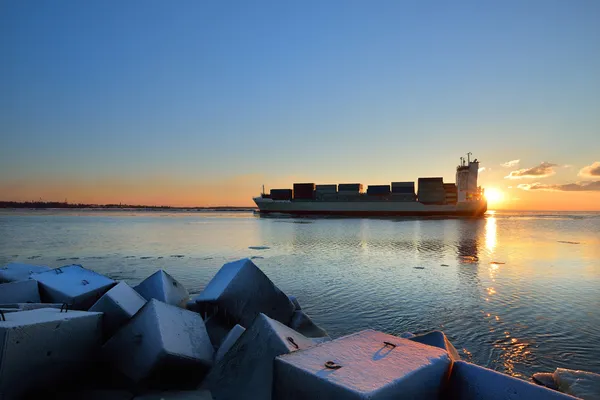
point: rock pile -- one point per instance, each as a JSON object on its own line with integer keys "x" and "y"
{"x": 71, "y": 333}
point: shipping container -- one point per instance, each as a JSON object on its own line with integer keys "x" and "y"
{"x": 431, "y": 180}
{"x": 326, "y": 188}
{"x": 350, "y": 187}
{"x": 403, "y": 184}
{"x": 404, "y": 197}
{"x": 282, "y": 194}
{"x": 403, "y": 187}
{"x": 378, "y": 190}
{"x": 304, "y": 191}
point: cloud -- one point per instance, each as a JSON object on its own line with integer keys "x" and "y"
{"x": 543, "y": 170}
{"x": 569, "y": 187}
{"x": 480, "y": 170}
{"x": 591, "y": 170}
{"x": 510, "y": 164}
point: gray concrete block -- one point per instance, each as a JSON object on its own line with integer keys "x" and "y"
{"x": 295, "y": 302}
{"x": 472, "y": 382}
{"x": 162, "y": 346}
{"x": 217, "y": 330}
{"x": 303, "y": 324}
{"x": 437, "y": 339}
{"x": 74, "y": 285}
{"x": 177, "y": 395}
{"x": 119, "y": 305}
{"x": 13, "y": 272}
{"x": 366, "y": 365}
{"x": 163, "y": 287}
{"x": 20, "y": 292}
{"x": 247, "y": 368}
{"x": 242, "y": 291}
{"x": 46, "y": 348}
{"x": 229, "y": 340}
{"x": 16, "y": 307}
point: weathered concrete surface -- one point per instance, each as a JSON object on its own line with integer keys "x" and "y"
{"x": 13, "y": 272}
{"x": 217, "y": 330}
{"x": 472, "y": 382}
{"x": 163, "y": 287}
{"x": 162, "y": 346}
{"x": 229, "y": 340}
{"x": 585, "y": 385}
{"x": 16, "y": 307}
{"x": 46, "y": 348}
{"x": 437, "y": 339}
{"x": 19, "y": 292}
{"x": 242, "y": 291}
{"x": 73, "y": 285}
{"x": 303, "y": 324}
{"x": 179, "y": 395}
{"x": 365, "y": 365}
{"x": 247, "y": 368}
{"x": 295, "y": 302}
{"x": 119, "y": 304}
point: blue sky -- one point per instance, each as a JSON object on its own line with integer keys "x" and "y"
{"x": 198, "y": 93}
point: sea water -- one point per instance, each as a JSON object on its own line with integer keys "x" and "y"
{"x": 518, "y": 292}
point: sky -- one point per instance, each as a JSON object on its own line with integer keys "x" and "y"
{"x": 200, "y": 103}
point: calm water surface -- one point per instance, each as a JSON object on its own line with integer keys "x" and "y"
{"x": 506, "y": 289}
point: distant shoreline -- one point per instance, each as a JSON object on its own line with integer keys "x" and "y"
{"x": 44, "y": 205}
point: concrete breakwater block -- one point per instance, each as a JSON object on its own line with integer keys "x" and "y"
{"x": 163, "y": 287}
{"x": 582, "y": 384}
{"x": 20, "y": 292}
{"x": 246, "y": 370}
{"x": 16, "y": 307}
{"x": 217, "y": 330}
{"x": 437, "y": 339}
{"x": 303, "y": 324}
{"x": 229, "y": 340}
{"x": 470, "y": 382}
{"x": 295, "y": 302}
{"x": 13, "y": 272}
{"x": 74, "y": 285}
{"x": 162, "y": 346}
{"x": 242, "y": 291}
{"x": 177, "y": 395}
{"x": 365, "y": 365}
{"x": 119, "y": 305}
{"x": 46, "y": 348}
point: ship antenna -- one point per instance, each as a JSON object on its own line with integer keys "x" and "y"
{"x": 263, "y": 192}
{"x": 469, "y": 157}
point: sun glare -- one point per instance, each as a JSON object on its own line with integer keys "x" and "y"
{"x": 493, "y": 195}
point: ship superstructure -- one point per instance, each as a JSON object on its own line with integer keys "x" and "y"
{"x": 433, "y": 197}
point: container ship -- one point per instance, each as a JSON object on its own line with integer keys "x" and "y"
{"x": 433, "y": 198}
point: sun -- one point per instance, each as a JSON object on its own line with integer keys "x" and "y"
{"x": 494, "y": 195}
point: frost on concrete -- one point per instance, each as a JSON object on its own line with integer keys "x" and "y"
{"x": 12, "y": 272}
{"x": 585, "y": 385}
{"x": 16, "y": 307}
{"x": 303, "y": 324}
{"x": 233, "y": 335}
{"x": 74, "y": 285}
{"x": 119, "y": 304}
{"x": 365, "y": 365}
{"x": 19, "y": 292}
{"x": 162, "y": 346}
{"x": 437, "y": 339}
{"x": 242, "y": 291}
{"x": 247, "y": 368}
{"x": 177, "y": 395}
{"x": 163, "y": 287}
{"x": 471, "y": 382}
{"x": 45, "y": 348}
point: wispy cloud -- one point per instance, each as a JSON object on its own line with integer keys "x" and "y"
{"x": 591, "y": 170}
{"x": 510, "y": 164}
{"x": 543, "y": 170}
{"x": 569, "y": 187}
{"x": 481, "y": 169}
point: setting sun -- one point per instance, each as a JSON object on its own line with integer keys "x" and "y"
{"x": 494, "y": 195}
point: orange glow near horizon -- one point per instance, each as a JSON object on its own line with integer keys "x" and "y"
{"x": 494, "y": 196}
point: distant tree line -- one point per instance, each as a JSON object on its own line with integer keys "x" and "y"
{"x": 57, "y": 204}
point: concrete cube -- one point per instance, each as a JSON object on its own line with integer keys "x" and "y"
{"x": 20, "y": 292}
{"x": 73, "y": 285}
{"x": 365, "y": 365}
{"x": 583, "y": 384}
{"x": 437, "y": 339}
{"x": 42, "y": 349}
{"x": 119, "y": 304}
{"x": 470, "y": 382}
{"x": 295, "y": 302}
{"x": 233, "y": 335}
{"x": 177, "y": 395}
{"x": 217, "y": 330}
{"x": 247, "y": 368}
{"x": 13, "y": 272}
{"x": 163, "y": 287}
{"x": 16, "y": 307}
{"x": 303, "y": 324}
{"x": 162, "y": 346}
{"x": 242, "y": 291}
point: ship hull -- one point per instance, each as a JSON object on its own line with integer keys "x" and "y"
{"x": 371, "y": 208}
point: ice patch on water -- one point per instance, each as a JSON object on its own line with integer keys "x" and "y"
{"x": 259, "y": 247}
